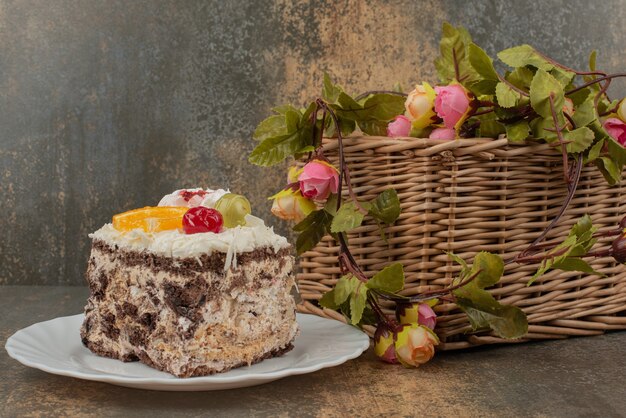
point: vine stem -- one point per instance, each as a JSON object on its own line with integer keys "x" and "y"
{"x": 370, "y": 92}
{"x": 594, "y": 81}
{"x": 344, "y": 172}
{"x": 559, "y": 135}
{"x": 430, "y": 294}
{"x": 571, "y": 190}
{"x": 566, "y": 68}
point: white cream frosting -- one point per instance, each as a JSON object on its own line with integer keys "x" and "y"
{"x": 209, "y": 199}
{"x": 173, "y": 243}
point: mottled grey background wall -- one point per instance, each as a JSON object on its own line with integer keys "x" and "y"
{"x": 107, "y": 105}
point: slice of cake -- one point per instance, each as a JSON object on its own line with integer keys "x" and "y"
{"x": 189, "y": 289}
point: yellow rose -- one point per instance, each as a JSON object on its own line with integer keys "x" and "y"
{"x": 415, "y": 345}
{"x": 291, "y": 205}
{"x": 419, "y": 106}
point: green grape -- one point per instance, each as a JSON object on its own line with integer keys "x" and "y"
{"x": 234, "y": 208}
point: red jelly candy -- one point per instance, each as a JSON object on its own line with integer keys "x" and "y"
{"x": 202, "y": 219}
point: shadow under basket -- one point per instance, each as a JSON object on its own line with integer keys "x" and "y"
{"x": 472, "y": 195}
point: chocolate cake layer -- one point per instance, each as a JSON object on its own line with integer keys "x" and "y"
{"x": 189, "y": 316}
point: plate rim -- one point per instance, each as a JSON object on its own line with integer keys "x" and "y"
{"x": 216, "y": 379}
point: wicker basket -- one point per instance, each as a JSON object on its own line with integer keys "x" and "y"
{"x": 466, "y": 196}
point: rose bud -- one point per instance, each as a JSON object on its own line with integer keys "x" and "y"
{"x": 419, "y": 106}
{"x": 416, "y": 313}
{"x": 443, "y": 133}
{"x": 621, "y": 110}
{"x": 415, "y": 345}
{"x": 291, "y": 205}
{"x": 401, "y": 126}
{"x": 618, "y": 249}
{"x": 452, "y": 105}
{"x": 384, "y": 345}
{"x": 292, "y": 174}
{"x": 617, "y": 129}
{"x": 318, "y": 180}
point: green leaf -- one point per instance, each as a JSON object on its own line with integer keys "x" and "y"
{"x": 282, "y": 110}
{"x": 274, "y": 125}
{"x": 580, "y": 96}
{"x": 483, "y": 311}
{"x": 482, "y": 63}
{"x": 580, "y": 138}
{"x": 348, "y": 217}
{"x": 562, "y": 76}
{"x": 518, "y": 131}
{"x": 275, "y": 149}
{"x": 328, "y": 300}
{"x": 460, "y": 261}
{"x": 330, "y": 91}
{"x": 543, "y": 268}
{"x": 386, "y": 207}
{"x": 357, "y": 304}
{"x": 616, "y": 151}
{"x": 489, "y": 126}
{"x": 491, "y": 268}
{"x": 390, "y": 279}
{"x": 453, "y": 49}
{"x": 592, "y": 60}
{"x": 374, "y": 114}
{"x": 506, "y": 96}
{"x": 609, "y": 169}
{"x": 312, "y": 229}
{"x": 575, "y": 264}
{"x": 585, "y": 113}
{"x": 521, "y": 78}
{"x": 578, "y": 242}
{"x": 384, "y": 106}
{"x": 582, "y": 226}
{"x": 541, "y": 128}
{"x": 347, "y": 126}
{"x": 374, "y": 127}
{"x": 331, "y": 204}
{"x": 345, "y": 286}
{"x": 523, "y": 55}
{"x": 594, "y": 151}
{"x": 484, "y": 89}
{"x": 542, "y": 87}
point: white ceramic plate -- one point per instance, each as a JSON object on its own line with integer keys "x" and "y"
{"x": 54, "y": 346}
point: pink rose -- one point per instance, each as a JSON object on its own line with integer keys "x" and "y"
{"x": 443, "y": 133}
{"x": 426, "y": 316}
{"x": 401, "y": 126}
{"x": 416, "y": 313}
{"x": 452, "y": 104}
{"x": 318, "y": 180}
{"x": 415, "y": 345}
{"x": 617, "y": 129}
{"x": 290, "y": 205}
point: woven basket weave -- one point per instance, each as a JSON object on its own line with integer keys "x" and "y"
{"x": 471, "y": 195}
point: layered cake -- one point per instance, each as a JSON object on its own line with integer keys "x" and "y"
{"x": 194, "y": 286}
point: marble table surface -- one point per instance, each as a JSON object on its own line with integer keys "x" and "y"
{"x": 576, "y": 377}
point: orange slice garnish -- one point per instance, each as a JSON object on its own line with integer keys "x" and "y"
{"x": 150, "y": 218}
